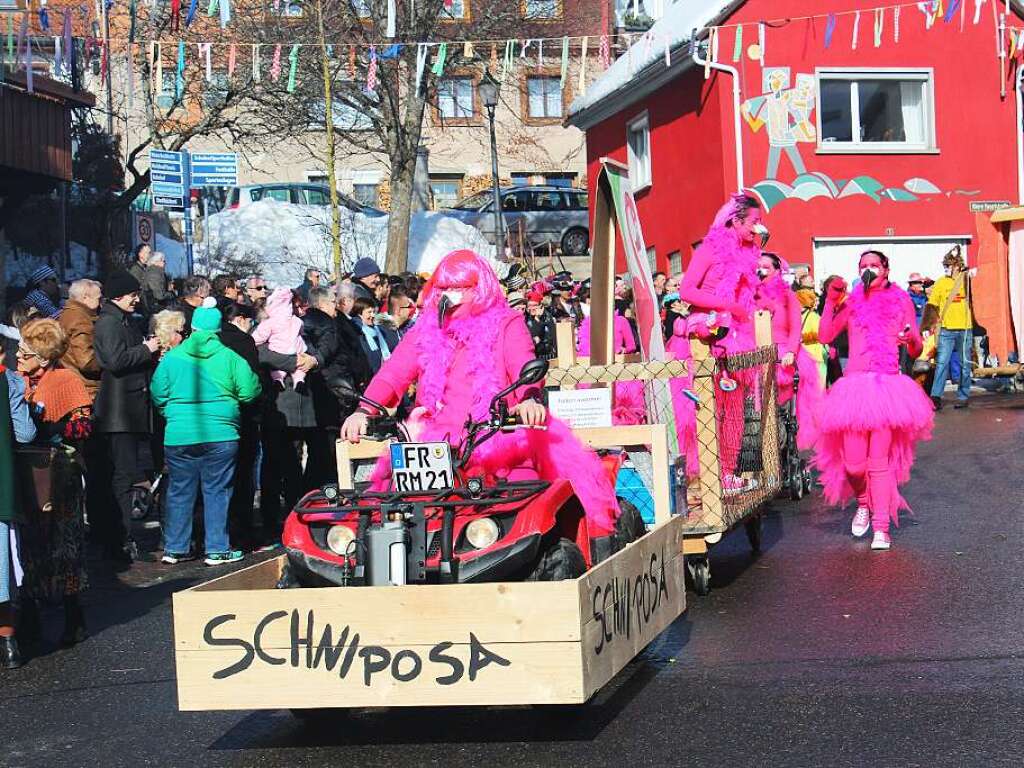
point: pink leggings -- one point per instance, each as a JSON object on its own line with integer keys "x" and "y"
{"x": 866, "y": 456}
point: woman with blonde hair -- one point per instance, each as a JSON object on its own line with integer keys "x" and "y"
{"x": 168, "y": 327}
{"x": 52, "y": 534}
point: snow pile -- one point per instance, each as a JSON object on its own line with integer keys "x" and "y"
{"x": 673, "y": 29}
{"x": 286, "y": 240}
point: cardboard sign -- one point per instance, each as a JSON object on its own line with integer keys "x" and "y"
{"x": 582, "y": 407}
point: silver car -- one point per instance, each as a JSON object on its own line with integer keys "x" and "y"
{"x": 549, "y": 215}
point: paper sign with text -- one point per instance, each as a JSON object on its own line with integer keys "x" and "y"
{"x": 582, "y": 407}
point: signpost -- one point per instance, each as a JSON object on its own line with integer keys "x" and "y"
{"x": 174, "y": 174}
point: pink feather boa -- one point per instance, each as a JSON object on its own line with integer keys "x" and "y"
{"x": 734, "y": 275}
{"x": 876, "y": 398}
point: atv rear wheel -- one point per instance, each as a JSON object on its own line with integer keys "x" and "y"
{"x": 561, "y": 560}
{"x": 630, "y": 525}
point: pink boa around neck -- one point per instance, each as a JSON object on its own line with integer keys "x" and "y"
{"x": 732, "y": 277}
{"x": 877, "y": 316}
{"x": 477, "y": 336}
{"x": 772, "y": 292}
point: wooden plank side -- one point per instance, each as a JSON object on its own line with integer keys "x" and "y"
{"x": 629, "y": 599}
{"x": 416, "y": 615}
{"x": 260, "y": 576}
{"x": 465, "y": 673}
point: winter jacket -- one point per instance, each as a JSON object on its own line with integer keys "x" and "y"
{"x": 153, "y": 293}
{"x": 288, "y": 408}
{"x": 334, "y": 381}
{"x": 198, "y": 387}
{"x": 78, "y": 322}
{"x": 542, "y": 331}
{"x": 122, "y": 403}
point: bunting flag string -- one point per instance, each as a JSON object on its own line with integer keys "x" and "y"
{"x": 391, "y": 25}
{"x": 422, "y": 51}
{"x": 761, "y": 41}
{"x": 605, "y": 51}
{"x": 204, "y": 51}
{"x": 879, "y": 26}
{"x": 132, "y": 19}
{"x": 540, "y": 54}
{"x": 352, "y": 63}
{"x": 581, "y": 86}
{"x": 225, "y": 13}
{"x": 129, "y": 75}
{"x": 44, "y": 18}
{"x": 211, "y": 9}
{"x": 371, "y": 72}
{"x": 896, "y": 24}
{"x": 193, "y": 6}
{"x": 58, "y": 63}
{"x": 179, "y": 79}
{"x": 293, "y": 66}
{"x": 256, "y": 63}
{"x": 953, "y": 6}
{"x": 175, "y": 15}
{"x": 507, "y": 64}
{"x": 856, "y": 30}
{"x": 439, "y": 62}
{"x": 565, "y": 63}
{"x": 232, "y": 60}
{"x": 737, "y": 47}
{"x": 978, "y": 5}
{"x": 275, "y": 64}
{"x": 494, "y": 58}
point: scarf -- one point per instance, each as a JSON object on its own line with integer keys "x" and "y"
{"x": 58, "y": 392}
{"x": 375, "y": 340}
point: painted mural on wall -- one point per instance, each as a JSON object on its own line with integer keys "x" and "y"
{"x": 785, "y": 109}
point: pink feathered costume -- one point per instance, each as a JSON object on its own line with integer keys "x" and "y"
{"x": 461, "y": 365}
{"x": 281, "y": 331}
{"x": 723, "y": 278}
{"x": 871, "y": 419}
{"x": 630, "y": 406}
{"x": 774, "y": 296}
{"x": 678, "y": 348}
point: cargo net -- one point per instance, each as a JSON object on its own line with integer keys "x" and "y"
{"x": 737, "y": 441}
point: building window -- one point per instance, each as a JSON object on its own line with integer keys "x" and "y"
{"x": 445, "y": 191}
{"x": 165, "y": 99}
{"x": 344, "y": 116}
{"x": 652, "y": 259}
{"x": 289, "y": 9}
{"x": 542, "y": 10}
{"x": 544, "y": 97}
{"x": 215, "y": 92}
{"x": 366, "y": 194}
{"x": 876, "y": 110}
{"x": 638, "y": 141}
{"x": 455, "y": 98}
{"x": 457, "y": 11}
{"x": 521, "y": 179}
{"x": 675, "y": 263}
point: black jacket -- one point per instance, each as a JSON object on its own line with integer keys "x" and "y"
{"x": 542, "y": 331}
{"x": 339, "y": 373}
{"x": 122, "y": 403}
{"x": 362, "y": 292}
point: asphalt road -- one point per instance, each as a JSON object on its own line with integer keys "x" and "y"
{"x": 817, "y": 653}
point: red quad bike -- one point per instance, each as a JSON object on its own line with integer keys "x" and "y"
{"x": 440, "y": 525}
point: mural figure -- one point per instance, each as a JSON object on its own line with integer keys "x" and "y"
{"x": 788, "y": 113}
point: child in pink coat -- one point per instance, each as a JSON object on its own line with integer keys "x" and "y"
{"x": 281, "y": 330}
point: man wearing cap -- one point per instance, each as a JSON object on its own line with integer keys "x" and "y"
{"x": 121, "y": 412}
{"x": 198, "y": 387}
{"x": 366, "y": 277}
{"x": 949, "y": 314}
{"x": 915, "y": 287}
{"x": 44, "y": 293}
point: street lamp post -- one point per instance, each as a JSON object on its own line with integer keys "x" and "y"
{"x": 489, "y": 90}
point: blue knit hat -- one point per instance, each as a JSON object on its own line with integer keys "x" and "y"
{"x": 41, "y": 274}
{"x": 207, "y": 317}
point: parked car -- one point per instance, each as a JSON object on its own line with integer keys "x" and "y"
{"x": 550, "y": 215}
{"x": 296, "y": 193}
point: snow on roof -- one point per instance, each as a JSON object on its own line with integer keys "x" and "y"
{"x": 648, "y": 49}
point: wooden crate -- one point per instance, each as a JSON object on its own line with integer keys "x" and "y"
{"x": 241, "y": 644}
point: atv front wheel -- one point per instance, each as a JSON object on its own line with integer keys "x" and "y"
{"x": 561, "y": 560}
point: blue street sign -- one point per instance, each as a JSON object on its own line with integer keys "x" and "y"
{"x": 168, "y": 173}
{"x": 214, "y": 169}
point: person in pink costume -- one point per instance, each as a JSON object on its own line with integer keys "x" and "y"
{"x": 777, "y": 298}
{"x": 281, "y": 330}
{"x": 630, "y": 406}
{"x": 722, "y": 279}
{"x": 871, "y": 419}
{"x": 678, "y": 348}
{"x": 461, "y": 358}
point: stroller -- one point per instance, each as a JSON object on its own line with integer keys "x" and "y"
{"x": 796, "y": 476}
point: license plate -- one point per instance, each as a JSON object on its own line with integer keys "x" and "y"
{"x": 421, "y": 467}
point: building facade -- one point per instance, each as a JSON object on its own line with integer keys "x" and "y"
{"x": 857, "y": 128}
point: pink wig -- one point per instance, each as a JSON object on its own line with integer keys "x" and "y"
{"x": 461, "y": 269}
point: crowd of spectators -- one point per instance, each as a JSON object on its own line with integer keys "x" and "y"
{"x": 140, "y": 403}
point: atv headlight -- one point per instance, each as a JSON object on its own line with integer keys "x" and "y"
{"x": 339, "y": 537}
{"x": 482, "y": 533}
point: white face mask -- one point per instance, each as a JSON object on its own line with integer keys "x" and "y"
{"x": 763, "y": 272}
{"x": 454, "y": 297}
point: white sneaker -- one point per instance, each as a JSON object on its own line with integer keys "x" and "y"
{"x": 861, "y": 522}
{"x": 881, "y": 541}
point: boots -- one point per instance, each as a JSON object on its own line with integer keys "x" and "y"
{"x": 30, "y": 626}
{"x": 10, "y": 655}
{"x": 74, "y": 622}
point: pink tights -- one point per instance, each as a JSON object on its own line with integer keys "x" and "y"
{"x": 866, "y": 456}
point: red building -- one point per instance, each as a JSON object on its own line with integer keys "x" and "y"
{"x": 889, "y": 129}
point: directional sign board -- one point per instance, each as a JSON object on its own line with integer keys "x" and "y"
{"x": 214, "y": 169}
{"x": 168, "y": 176}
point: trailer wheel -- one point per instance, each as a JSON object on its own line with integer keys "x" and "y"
{"x": 797, "y": 478}
{"x": 560, "y": 561}
{"x": 630, "y": 525}
{"x": 700, "y": 572}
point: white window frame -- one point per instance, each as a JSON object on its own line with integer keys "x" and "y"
{"x": 675, "y": 264}
{"x": 641, "y": 175}
{"x": 926, "y": 75}
{"x": 548, "y": 81}
{"x": 455, "y": 81}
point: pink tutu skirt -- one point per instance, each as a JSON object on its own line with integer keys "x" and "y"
{"x": 864, "y": 402}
